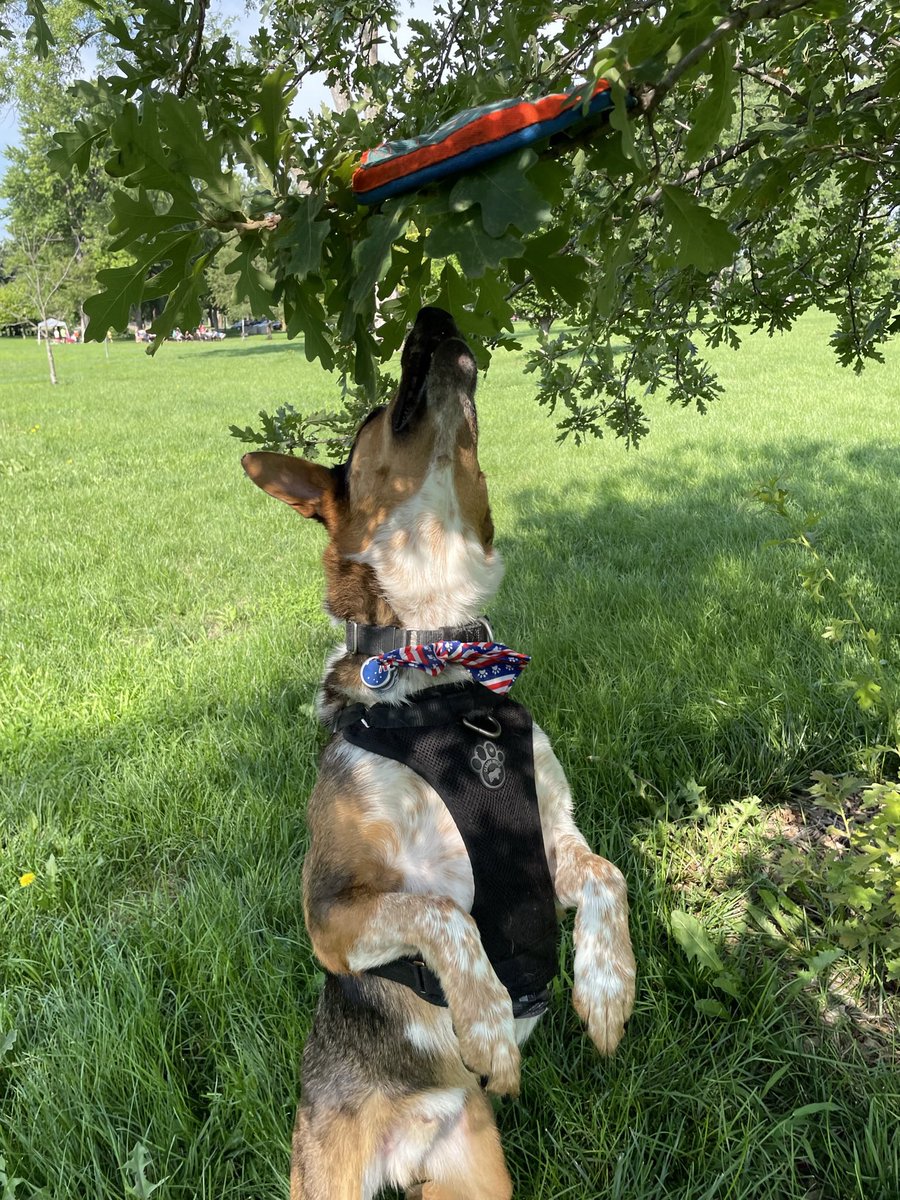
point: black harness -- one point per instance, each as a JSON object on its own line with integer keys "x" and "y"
{"x": 475, "y": 749}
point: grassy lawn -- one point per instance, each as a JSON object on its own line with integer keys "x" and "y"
{"x": 161, "y": 637}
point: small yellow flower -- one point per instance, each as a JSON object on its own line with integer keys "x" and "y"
{"x": 27, "y": 879}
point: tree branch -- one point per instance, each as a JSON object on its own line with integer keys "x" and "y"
{"x": 194, "y": 54}
{"x": 651, "y": 97}
{"x": 238, "y": 225}
{"x": 770, "y": 80}
{"x": 710, "y": 164}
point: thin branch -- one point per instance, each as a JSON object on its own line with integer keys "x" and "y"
{"x": 851, "y": 275}
{"x": 652, "y": 96}
{"x": 194, "y": 53}
{"x": 770, "y": 80}
{"x": 269, "y": 222}
{"x": 449, "y": 40}
{"x": 710, "y": 164}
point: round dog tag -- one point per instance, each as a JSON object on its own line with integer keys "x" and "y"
{"x": 375, "y": 674}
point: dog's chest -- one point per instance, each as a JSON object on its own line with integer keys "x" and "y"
{"x": 419, "y": 838}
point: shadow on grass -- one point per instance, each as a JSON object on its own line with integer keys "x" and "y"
{"x": 631, "y": 610}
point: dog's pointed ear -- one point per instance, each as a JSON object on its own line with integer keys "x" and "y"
{"x": 306, "y": 486}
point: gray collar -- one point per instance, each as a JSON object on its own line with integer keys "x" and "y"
{"x": 377, "y": 639}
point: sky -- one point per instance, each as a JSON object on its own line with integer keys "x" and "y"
{"x": 312, "y": 94}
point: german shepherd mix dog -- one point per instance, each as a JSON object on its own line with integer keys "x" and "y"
{"x": 442, "y": 838}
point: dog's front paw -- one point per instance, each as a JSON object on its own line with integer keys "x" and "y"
{"x": 604, "y": 988}
{"x": 605, "y": 1013}
{"x": 493, "y": 1056}
{"x": 487, "y": 1044}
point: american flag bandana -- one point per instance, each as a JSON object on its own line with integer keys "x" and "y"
{"x": 489, "y": 663}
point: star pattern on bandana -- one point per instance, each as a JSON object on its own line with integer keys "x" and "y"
{"x": 489, "y": 663}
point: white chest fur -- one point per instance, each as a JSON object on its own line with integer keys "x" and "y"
{"x": 431, "y": 569}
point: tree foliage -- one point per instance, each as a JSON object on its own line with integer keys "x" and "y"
{"x": 57, "y": 224}
{"x": 753, "y": 175}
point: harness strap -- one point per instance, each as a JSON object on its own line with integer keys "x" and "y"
{"x": 414, "y": 974}
{"x": 433, "y": 706}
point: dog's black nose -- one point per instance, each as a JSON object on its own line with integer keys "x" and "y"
{"x": 435, "y": 324}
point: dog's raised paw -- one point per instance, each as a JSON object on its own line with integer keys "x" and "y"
{"x": 488, "y": 1049}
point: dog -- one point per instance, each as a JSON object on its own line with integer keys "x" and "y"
{"x": 402, "y": 883}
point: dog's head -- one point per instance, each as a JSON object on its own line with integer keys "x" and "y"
{"x": 408, "y": 521}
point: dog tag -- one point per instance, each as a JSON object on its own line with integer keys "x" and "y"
{"x": 375, "y": 674}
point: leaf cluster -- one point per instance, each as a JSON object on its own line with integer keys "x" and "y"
{"x": 672, "y": 227}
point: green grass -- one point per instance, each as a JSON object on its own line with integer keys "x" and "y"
{"x": 161, "y": 637}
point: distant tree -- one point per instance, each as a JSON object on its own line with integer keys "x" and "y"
{"x": 660, "y": 234}
{"x": 46, "y": 275}
{"x": 60, "y": 214}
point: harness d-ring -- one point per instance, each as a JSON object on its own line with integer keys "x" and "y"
{"x": 493, "y": 734}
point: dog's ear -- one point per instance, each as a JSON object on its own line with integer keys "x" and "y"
{"x": 304, "y": 485}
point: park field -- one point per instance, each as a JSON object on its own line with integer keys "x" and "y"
{"x": 161, "y": 639}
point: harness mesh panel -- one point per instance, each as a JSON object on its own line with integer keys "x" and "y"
{"x": 514, "y": 906}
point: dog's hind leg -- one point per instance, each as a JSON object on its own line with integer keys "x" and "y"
{"x": 467, "y": 1163}
{"x": 327, "y": 1162}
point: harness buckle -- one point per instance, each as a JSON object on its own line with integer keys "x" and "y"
{"x": 422, "y": 984}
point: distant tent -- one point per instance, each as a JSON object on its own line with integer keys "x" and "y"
{"x": 51, "y": 326}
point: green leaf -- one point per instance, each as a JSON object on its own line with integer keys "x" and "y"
{"x": 122, "y": 287}
{"x": 621, "y": 120}
{"x": 555, "y": 275}
{"x": 140, "y": 158}
{"x": 7, "y": 1042}
{"x": 175, "y": 265}
{"x": 372, "y": 254}
{"x": 703, "y": 240}
{"x": 74, "y": 148}
{"x": 365, "y": 373}
{"x": 821, "y": 961}
{"x": 268, "y": 121}
{"x": 476, "y": 251}
{"x": 303, "y": 313}
{"x": 711, "y": 1008}
{"x": 183, "y": 302}
{"x": 39, "y": 32}
{"x": 136, "y": 218}
{"x": 505, "y": 195}
{"x": 715, "y": 110}
{"x": 694, "y": 940}
{"x": 729, "y": 983}
{"x": 456, "y": 295}
{"x": 302, "y": 236}
{"x": 196, "y": 152}
{"x": 891, "y": 88}
{"x": 136, "y": 1166}
{"x": 252, "y": 283}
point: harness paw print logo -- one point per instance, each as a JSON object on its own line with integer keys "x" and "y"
{"x": 487, "y": 762}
